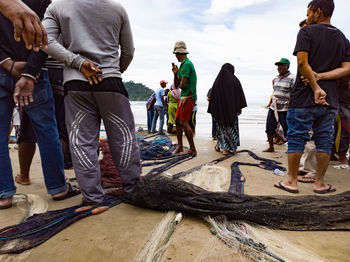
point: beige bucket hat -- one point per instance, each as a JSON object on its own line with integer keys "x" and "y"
{"x": 180, "y": 48}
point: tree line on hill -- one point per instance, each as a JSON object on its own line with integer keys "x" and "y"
{"x": 138, "y": 91}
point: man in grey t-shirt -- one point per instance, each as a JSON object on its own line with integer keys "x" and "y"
{"x": 93, "y": 32}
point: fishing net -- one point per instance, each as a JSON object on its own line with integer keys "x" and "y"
{"x": 110, "y": 178}
{"x": 248, "y": 242}
{"x": 40, "y": 227}
{"x": 155, "y": 150}
{"x": 155, "y": 147}
{"x": 157, "y": 191}
{"x": 278, "y": 212}
{"x": 242, "y": 241}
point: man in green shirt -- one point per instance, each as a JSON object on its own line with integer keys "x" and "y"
{"x": 185, "y": 77}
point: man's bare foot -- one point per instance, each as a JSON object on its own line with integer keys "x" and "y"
{"x": 178, "y": 150}
{"x": 5, "y": 202}
{"x": 269, "y": 150}
{"x": 225, "y": 152}
{"x": 344, "y": 161}
{"x": 22, "y": 180}
{"x": 281, "y": 142}
{"x": 189, "y": 151}
{"x": 276, "y": 140}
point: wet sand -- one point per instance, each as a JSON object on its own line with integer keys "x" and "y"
{"x": 119, "y": 233}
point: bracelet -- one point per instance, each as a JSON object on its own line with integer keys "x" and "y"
{"x": 13, "y": 63}
{"x": 29, "y": 76}
{"x": 3, "y": 61}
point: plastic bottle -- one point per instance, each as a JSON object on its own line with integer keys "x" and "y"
{"x": 278, "y": 172}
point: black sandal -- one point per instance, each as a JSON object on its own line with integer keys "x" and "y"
{"x": 72, "y": 191}
{"x": 6, "y": 207}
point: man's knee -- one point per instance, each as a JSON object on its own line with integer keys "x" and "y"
{"x": 296, "y": 144}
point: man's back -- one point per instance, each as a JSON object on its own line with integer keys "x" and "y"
{"x": 327, "y": 47}
{"x": 93, "y": 29}
{"x": 160, "y": 92}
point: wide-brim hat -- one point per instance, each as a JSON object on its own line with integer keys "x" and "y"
{"x": 180, "y": 48}
{"x": 283, "y": 61}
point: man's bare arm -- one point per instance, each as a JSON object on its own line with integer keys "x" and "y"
{"x": 306, "y": 70}
{"x": 175, "y": 69}
{"x": 26, "y": 24}
{"x": 338, "y": 73}
{"x": 183, "y": 83}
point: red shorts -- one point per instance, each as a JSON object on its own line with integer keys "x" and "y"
{"x": 184, "y": 109}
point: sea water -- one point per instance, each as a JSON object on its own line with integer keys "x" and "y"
{"x": 251, "y": 122}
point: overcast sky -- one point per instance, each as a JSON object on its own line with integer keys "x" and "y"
{"x": 250, "y": 34}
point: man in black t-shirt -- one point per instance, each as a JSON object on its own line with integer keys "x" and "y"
{"x": 320, "y": 47}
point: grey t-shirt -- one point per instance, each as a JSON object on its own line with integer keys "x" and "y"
{"x": 94, "y": 30}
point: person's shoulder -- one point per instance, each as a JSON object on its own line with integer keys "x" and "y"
{"x": 116, "y": 6}
{"x": 189, "y": 62}
{"x": 291, "y": 75}
{"x": 59, "y": 2}
{"x": 58, "y": 5}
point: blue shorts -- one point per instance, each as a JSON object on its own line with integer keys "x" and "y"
{"x": 300, "y": 121}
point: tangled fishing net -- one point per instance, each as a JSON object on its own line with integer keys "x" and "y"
{"x": 160, "y": 192}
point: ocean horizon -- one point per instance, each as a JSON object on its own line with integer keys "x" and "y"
{"x": 251, "y": 122}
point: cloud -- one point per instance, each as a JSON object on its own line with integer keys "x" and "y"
{"x": 252, "y": 41}
{"x": 220, "y": 7}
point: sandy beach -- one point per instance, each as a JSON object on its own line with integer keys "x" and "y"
{"x": 120, "y": 233}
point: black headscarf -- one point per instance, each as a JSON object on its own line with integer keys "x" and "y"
{"x": 227, "y": 97}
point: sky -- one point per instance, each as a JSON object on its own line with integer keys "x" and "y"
{"x": 251, "y": 35}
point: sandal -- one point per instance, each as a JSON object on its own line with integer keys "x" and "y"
{"x": 330, "y": 189}
{"x": 72, "y": 191}
{"x": 6, "y": 206}
{"x": 282, "y": 187}
{"x": 307, "y": 179}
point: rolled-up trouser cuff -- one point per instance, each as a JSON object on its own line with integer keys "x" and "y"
{"x": 57, "y": 190}
{"x": 8, "y": 193}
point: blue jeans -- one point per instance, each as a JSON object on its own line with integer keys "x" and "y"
{"x": 150, "y": 115}
{"x": 158, "y": 111}
{"x": 42, "y": 115}
{"x": 318, "y": 118}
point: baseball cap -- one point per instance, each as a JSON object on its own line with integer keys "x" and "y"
{"x": 283, "y": 61}
{"x": 163, "y": 81}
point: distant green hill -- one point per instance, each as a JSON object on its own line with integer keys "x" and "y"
{"x": 138, "y": 91}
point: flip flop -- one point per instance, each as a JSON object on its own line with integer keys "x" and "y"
{"x": 307, "y": 179}
{"x": 282, "y": 187}
{"x": 72, "y": 191}
{"x": 6, "y": 207}
{"x": 330, "y": 189}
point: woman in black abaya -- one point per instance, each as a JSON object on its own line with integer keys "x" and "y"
{"x": 225, "y": 105}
